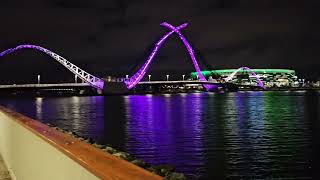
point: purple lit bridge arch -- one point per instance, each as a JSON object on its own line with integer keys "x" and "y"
{"x": 250, "y": 71}
{"x": 85, "y": 76}
{"x": 136, "y": 78}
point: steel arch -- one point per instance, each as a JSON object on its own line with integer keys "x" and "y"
{"x": 260, "y": 83}
{"x": 136, "y": 78}
{"x": 87, "y": 77}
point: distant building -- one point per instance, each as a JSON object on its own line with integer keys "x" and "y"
{"x": 270, "y": 77}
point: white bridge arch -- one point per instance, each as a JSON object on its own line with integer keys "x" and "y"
{"x": 85, "y": 76}
{"x": 230, "y": 77}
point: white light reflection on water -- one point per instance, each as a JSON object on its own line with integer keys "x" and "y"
{"x": 39, "y": 107}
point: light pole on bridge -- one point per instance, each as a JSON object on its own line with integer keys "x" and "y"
{"x": 167, "y": 77}
{"x": 149, "y": 77}
{"x": 75, "y": 78}
{"x": 183, "y": 77}
{"x": 38, "y": 79}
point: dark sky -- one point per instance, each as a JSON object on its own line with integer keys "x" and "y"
{"x": 115, "y": 36}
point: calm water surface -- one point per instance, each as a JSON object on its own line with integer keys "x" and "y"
{"x": 249, "y": 135}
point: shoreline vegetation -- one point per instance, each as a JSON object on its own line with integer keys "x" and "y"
{"x": 166, "y": 171}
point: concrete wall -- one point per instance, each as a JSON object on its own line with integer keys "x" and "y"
{"x": 29, "y": 157}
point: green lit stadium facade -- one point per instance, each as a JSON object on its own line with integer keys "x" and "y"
{"x": 270, "y": 77}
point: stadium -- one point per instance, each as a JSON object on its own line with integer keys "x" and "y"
{"x": 270, "y": 77}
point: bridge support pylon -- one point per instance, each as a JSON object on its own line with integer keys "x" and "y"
{"x": 115, "y": 88}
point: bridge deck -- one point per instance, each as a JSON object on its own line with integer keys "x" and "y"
{"x": 194, "y": 82}
{"x": 78, "y": 85}
{"x": 178, "y": 82}
{"x": 44, "y": 85}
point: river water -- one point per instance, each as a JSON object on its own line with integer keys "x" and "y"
{"x": 248, "y": 135}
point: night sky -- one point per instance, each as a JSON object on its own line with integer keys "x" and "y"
{"x": 114, "y": 37}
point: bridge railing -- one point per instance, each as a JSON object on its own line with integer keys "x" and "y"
{"x": 32, "y": 150}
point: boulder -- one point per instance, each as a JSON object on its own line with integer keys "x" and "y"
{"x": 139, "y": 162}
{"x": 175, "y": 176}
{"x": 109, "y": 150}
{"x": 124, "y": 155}
{"x": 98, "y": 146}
{"x": 89, "y": 140}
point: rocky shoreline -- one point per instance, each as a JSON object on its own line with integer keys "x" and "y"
{"x": 166, "y": 171}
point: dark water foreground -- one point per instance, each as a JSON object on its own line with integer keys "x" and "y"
{"x": 249, "y": 135}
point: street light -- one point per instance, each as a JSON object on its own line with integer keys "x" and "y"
{"x": 167, "y": 77}
{"x": 75, "y": 78}
{"x": 197, "y": 77}
{"x": 149, "y": 77}
{"x": 127, "y": 76}
{"x": 183, "y": 77}
{"x": 38, "y": 79}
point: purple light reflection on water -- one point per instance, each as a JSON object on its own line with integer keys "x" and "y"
{"x": 162, "y": 133}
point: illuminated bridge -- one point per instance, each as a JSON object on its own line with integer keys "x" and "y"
{"x": 135, "y": 79}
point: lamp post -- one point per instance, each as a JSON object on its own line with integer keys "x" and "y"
{"x": 127, "y": 76}
{"x": 197, "y": 77}
{"x": 75, "y": 78}
{"x": 149, "y": 77}
{"x": 38, "y": 79}
{"x": 167, "y": 77}
{"x": 183, "y": 77}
